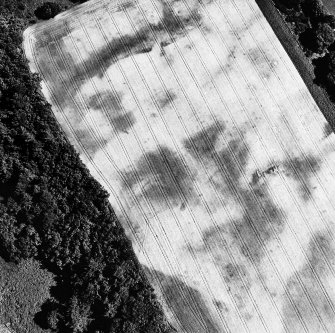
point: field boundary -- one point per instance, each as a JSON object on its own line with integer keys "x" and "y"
{"x": 297, "y": 56}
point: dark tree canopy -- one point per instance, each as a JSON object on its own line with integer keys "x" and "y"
{"x": 299, "y": 20}
{"x": 311, "y": 22}
{"x": 314, "y": 9}
{"x": 288, "y": 5}
{"x": 325, "y": 71}
{"x": 329, "y": 19}
{"x": 53, "y": 212}
{"x": 318, "y": 38}
{"x": 314, "y": 28}
{"x": 48, "y": 10}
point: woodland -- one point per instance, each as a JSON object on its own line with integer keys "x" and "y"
{"x": 66, "y": 264}
{"x": 313, "y": 27}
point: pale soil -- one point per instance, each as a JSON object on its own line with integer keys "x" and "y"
{"x": 218, "y": 162}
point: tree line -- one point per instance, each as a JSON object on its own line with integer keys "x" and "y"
{"x": 314, "y": 27}
{"x": 53, "y": 212}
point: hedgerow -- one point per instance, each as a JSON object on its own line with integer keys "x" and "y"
{"x": 53, "y": 212}
{"x": 314, "y": 27}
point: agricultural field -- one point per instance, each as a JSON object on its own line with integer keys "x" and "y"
{"x": 218, "y": 162}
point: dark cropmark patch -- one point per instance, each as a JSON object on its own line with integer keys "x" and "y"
{"x": 306, "y": 293}
{"x": 111, "y": 101}
{"x": 262, "y": 61}
{"x": 140, "y": 42}
{"x": 65, "y": 86}
{"x": 115, "y": 50}
{"x": 49, "y": 34}
{"x": 90, "y": 144}
{"x": 175, "y": 24}
{"x": 122, "y": 47}
{"x": 235, "y": 275}
{"x": 321, "y": 253}
{"x": 53, "y": 51}
{"x": 44, "y": 67}
{"x": 122, "y": 123}
{"x": 230, "y": 60}
{"x": 186, "y": 303}
{"x": 229, "y": 161}
{"x": 166, "y": 99}
{"x": 133, "y": 229}
{"x": 260, "y": 222}
{"x": 234, "y": 272}
{"x": 256, "y": 56}
{"x": 233, "y": 160}
{"x": 102, "y": 100}
{"x": 170, "y": 21}
{"x": 261, "y": 218}
{"x": 98, "y": 63}
{"x": 301, "y": 169}
{"x": 162, "y": 176}
{"x": 126, "y": 5}
{"x": 202, "y": 144}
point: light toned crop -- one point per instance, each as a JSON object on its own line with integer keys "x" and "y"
{"x": 218, "y": 162}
